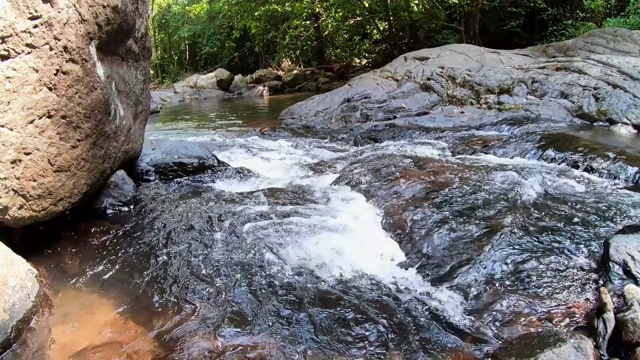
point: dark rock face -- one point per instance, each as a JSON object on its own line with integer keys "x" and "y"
{"x": 546, "y": 345}
{"x": 19, "y": 293}
{"x": 119, "y": 193}
{"x": 86, "y": 66}
{"x": 593, "y": 78}
{"x": 621, "y": 258}
{"x": 173, "y": 159}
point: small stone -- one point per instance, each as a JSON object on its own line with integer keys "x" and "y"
{"x": 118, "y": 194}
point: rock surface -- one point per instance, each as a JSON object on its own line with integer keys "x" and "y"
{"x": 118, "y": 193}
{"x": 19, "y": 289}
{"x": 628, "y": 322}
{"x": 621, "y": 257}
{"x": 265, "y": 75}
{"x": 171, "y": 159}
{"x": 220, "y": 79}
{"x": 74, "y": 100}
{"x": 546, "y": 345}
{"x": 593, "y": 78}
{"x": 293, "y": 79}
{"x": 240, "y": 83}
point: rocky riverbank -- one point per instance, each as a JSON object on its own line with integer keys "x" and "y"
{"x": 221, "y": 84}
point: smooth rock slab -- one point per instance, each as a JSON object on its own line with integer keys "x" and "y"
{"x": 546, "y": 345}
{"x": 19, "y": 289}
{"x": 593, "y": 78}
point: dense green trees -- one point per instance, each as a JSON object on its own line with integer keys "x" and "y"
{"x": 243, "y": 35}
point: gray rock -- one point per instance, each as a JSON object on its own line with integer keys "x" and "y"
{"x": 293, "y": 79}
{"x": 168, "y": 160}
{"x": 220, "y": 79}
{"x": 324, "y": 81}
{"x": 628, "y": 321}
{"x": 187, "y": 84}
{"x": 119, "y": 193}
{"x": 206, "y": 82}
{"x": 86, "y": 66}
{"x": 160, "y": 98}
{"x": 592, "y": 78}
{"x": 309, "y": 86}
{"x": 621, "y": 257}
{"x": 546, "y": 345}
{"x": 224, "y": 79}
{"x": 274, "y": 87}
{"x": 265, "y": 75}
{"x": 19, "y": 289}
{"x": 240, "y": 83}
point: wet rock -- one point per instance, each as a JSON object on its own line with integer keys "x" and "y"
{"x": 119, "y": 193}
{"x": 274, "y": 87}
{"x": 621, "y": 257}
{"x": 19, "y": 289}
{"x": 592, "y": 78}
{"x": 595, "y": 152}
{"x": 293, "y": 79}
{"x": 546, "y": 345}
{"x": 256, "y": 90}
{"x": 171, "y": 159}
{"x": 86, "y": 66}
{"x": 265, "y": 75}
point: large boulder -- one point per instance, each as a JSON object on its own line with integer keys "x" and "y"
{"x": 220, "y": 79}
{"x": 265, "y": 75}
{"x": 19, "y": 293}
{"x": 592, "y": 78}
{"x": 74, "y": 100}
{"x": 546, "y": 345}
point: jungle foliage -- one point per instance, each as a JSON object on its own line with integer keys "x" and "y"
{"x": 244, "y": 35}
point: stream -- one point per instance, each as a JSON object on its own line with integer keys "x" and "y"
{"x": 412, "y": 247}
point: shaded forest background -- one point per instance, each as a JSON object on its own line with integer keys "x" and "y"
{"x": 245, "y": 35}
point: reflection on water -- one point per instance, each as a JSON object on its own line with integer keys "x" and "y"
{"x": 228, "y": 114}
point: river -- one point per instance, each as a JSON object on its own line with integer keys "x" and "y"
{"x": 407, "y": 248}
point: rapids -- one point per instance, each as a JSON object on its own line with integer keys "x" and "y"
{"x": 402, "y": 248}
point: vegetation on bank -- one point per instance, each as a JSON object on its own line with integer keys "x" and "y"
{"x": 244, "y": 35}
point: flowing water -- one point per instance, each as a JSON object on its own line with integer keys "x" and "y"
{"x": 396, "y": 249}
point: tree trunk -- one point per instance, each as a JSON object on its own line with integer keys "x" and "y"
{"x": 155, "y": 41}
{"x": 392, "y": 31}
{"x": 321, "y": 57}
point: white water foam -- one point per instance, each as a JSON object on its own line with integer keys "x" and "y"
{"x": 341, "y": 237}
